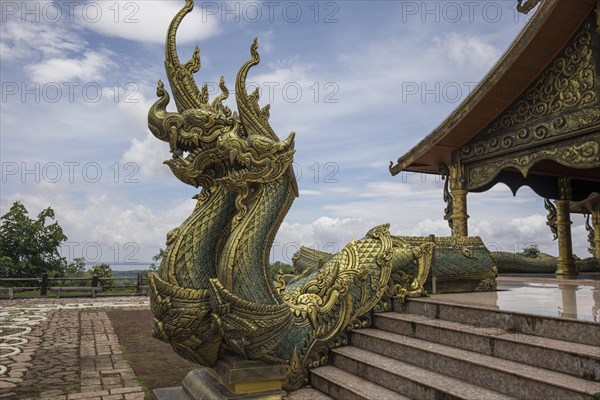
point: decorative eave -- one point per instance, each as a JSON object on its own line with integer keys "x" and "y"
{"x": 546, "y": 34}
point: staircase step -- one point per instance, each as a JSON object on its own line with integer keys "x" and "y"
{"x": 504, "y": 376}
{"x": 408, "y": 379}
{"x": 576, "y": 359}
{"x": 307, "y": 393}
{"x": 571, "y": 330}
{"x": 342, "y": 385}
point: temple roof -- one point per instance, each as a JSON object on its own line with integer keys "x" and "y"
{"x": 542, "y": 39}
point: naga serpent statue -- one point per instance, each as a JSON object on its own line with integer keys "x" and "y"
{"x": 213, "y": 292}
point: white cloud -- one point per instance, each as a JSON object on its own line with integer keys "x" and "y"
{"x": 149, "y": 154}
{"x": 294, "y": 91}
{"x": 309, "y": 192}
{"x": 467, "y": 51}
{"x": 528, "y": 226}
{"x": 92, "y": 66}
{"x": 51, "y": 40}
{"x": 122, "y": 231}
{"x": 132, "y": 103}
{"x": 416, "y": 209}
{"x": 324, "y": 233}
{"x": 332, "y": 233}
{"x": 342, "y": 189}
{"x": 145, "y": 21}
{"x": 427, "y": 227}
{"x": 401, "y": 189}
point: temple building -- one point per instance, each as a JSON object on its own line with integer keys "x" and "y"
{"x": 533, "y": 121}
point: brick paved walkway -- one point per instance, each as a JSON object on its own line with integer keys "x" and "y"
{"x": 67, "y": 349}
{"x": 64, "y": 349}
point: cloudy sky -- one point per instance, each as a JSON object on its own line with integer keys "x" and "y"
{"x": 360, "y": 82}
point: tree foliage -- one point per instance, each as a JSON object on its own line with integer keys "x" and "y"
{"x": 280, "y": 266}
{"x": 30, "y": 247}
{"x": 156, "y": 260}
{"x": 531, "y": 251}
{"x": 76, "y": 269}
{"x": 103, "y": 271}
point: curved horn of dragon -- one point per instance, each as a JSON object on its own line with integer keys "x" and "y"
{"x": 214, "y": 292}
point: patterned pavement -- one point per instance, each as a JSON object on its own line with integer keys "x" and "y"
{"x": 64, "y": 349}
{"x": 67, "y": 349}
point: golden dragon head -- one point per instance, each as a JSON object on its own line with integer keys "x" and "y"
{"x": 209, "y": 143}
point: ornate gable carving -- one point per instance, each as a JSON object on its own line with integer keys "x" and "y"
{"x": 575, "y": 153}
{"x": 563, "y": 99}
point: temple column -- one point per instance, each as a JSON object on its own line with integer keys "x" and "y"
{"x": 455, "y": 197}
{"x": 566, "y": 262}
{"x": 459, "y": 213}
{"x": 596, "y": 226}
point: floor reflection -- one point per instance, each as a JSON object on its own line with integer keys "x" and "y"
{"x": 596, "y": 306}
{"x": 574, "y": 299}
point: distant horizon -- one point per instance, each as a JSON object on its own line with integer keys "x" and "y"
{"x": 120, "y": 267}
{"x": 117, "y": 263}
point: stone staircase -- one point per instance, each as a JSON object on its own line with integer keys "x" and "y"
{"x": 431, "y": 349}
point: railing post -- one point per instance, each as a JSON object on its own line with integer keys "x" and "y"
{"x": 138, "y": 290}
{"x": 44, "y": 287}
{"x": 95, "y": 280}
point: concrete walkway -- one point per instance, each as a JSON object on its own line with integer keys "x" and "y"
{"x": 64, "y": 349}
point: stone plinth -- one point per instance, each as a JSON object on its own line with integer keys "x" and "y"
{"x": 232, "y": 378}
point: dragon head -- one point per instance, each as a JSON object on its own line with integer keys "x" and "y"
{"x": 209, "y": 143}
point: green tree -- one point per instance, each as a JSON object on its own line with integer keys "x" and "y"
{"x": 531, "y": 251}
{"x": 30, "y": 247}
{"x": 156, "y": 260}
{"x": 279, "y": 266}
{"x": 103, "y": 271}
{"x": 75, "y": 269}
